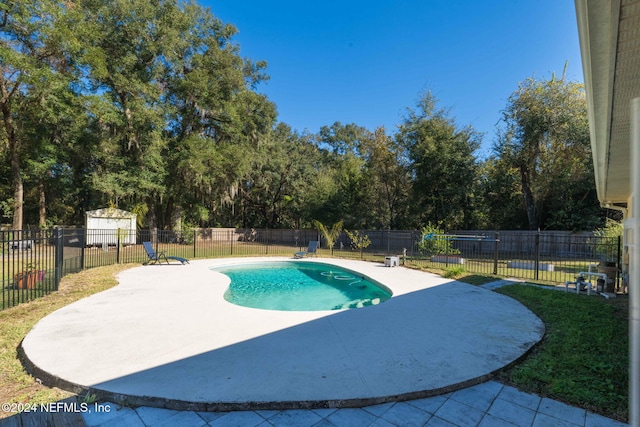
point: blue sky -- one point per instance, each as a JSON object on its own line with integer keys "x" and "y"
{"x": 366, "y": 62}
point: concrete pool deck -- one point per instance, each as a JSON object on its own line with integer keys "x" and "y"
{"x": 166, "y": 337}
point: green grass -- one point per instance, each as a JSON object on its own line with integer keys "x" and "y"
{"x": 563, "y": 269}
{"x": 583, "y": 358}
{"x": 454, "y": 272}
{"x": 16, "y": 385}
{"x": 476, "y": 279}
{"x": 13, "y": 297}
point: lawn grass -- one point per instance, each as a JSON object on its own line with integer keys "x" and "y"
{"x": 476, "y": 279}
{"x": 457, "y": 272}
{"x": 16, "y": 385}
{"x": 564, "y": 269}
{"x": 583, "y": 358}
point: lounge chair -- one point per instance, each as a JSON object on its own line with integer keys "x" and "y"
{"x": 311, "y": 250}
{"x": 158, "y": 257}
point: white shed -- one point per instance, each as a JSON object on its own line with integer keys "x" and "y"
{"x": 104, "y": 226}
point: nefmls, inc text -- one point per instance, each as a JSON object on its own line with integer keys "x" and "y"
{"x": 80, "y": 407}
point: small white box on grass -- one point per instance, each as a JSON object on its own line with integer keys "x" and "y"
{"x": 391, "y": 261}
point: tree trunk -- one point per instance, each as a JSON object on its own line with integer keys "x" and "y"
{"x": 529, "y": 202}
{"x": 153, "y": 223}
{"x": 176, "y": 219}
{"x": 12, "y": 139}
{"x": 18, "y": 194}
{"x": 168, "y": 217}
{"x": 42, "y": 205}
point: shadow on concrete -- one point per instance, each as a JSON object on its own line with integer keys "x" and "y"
{"x": 414, "y": 345}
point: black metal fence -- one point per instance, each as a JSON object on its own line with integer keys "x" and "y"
{"x": 33, "y": 262}
{"x": 546, "y": 257}
{"x": 28, "y": 266}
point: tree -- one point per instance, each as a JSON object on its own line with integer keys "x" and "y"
{"x": 546, "y": 139}
{"x": 369, "y": 174}
{"x": 387, "y": 176}
{"x": 172, "y": 110}
{"x": 216, "y": 119}
{"x": 501, "y": 194}
{"x": 341, "y": 139}
{"x": 35, "y": 42}
{"x": 359, "y": 241}
{"x": 146, "y": 105}
{"x": 330, "y": 235}
{"x": 348, "y": 199}
{"x": 282, "y": 171}
{"x": 442, "y": 164}
{"x": 123, "y": 57}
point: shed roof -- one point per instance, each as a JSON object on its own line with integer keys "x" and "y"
{"x": 110, "y": 213}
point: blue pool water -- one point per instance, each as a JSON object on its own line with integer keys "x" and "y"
{"x": 300, "y": 286}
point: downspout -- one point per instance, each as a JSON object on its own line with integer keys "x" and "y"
{"x": 632, "y": 225}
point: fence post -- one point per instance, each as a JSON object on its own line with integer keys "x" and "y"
{"x": 496, "y": 240}
{"x": 537, "y": 258}
{"x": 195, "y": 238}
{"x": 118, "y": 246}
{"x": 83, "y": 246}
{"x": 414, "y": 242}
{"x": 58, "y": 256}
{"x": 618, "y": 264}
{"x": 446, "y": 250}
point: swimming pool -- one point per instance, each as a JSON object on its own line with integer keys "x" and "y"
{"x": 300, "y": 286}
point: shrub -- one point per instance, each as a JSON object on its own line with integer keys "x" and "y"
{"x": 358, "y": 241}
{"x": 605, "y": 243}
{"x": 330, "y": 235}
{"x": 433, "y": 242}
{"x": 453, "y": 272}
